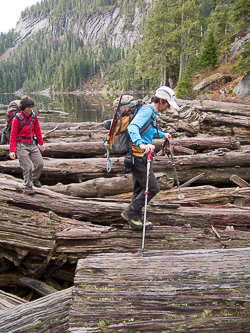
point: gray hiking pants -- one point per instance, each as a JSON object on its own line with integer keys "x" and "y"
{"x": 28, "y": 155}
{"x": 139, "y": 176}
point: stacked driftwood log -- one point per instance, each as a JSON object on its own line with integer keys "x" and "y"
{"x": 76, "y": 215}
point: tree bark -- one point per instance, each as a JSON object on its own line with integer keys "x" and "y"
{"x": 189, "y": 166}
{"x": 162, "y": 290}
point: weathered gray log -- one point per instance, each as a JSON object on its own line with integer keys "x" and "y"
{"x": 97, "y": 148}
{"x": 47, "y": 314}
{"x": 208, "y": 105}
{"x": 74, "y": 170}
{"x": 25, "y": 233}
{"x": 8, "y": 301}
{"x": 162, "y": 290}
{"x": 160, "y": 214}
{"x": 196, "y": 196}
{"x": 100, "y": 187}
{"x": 35, "y": 231}
{"x": 205, "y": 195}
{"x": 239, "y": 181}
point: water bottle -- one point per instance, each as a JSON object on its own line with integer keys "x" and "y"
{"x": 128, "y": 162}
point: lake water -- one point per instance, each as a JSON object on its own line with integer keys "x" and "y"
{"x": 67, "y": 107}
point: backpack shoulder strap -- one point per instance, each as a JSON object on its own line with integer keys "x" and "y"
{"x": 33, "y": 117}
{"x": 149, "y": 124}
{"x": 19, "y": 117}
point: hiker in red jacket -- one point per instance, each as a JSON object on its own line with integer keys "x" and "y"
{"x": 23, "y": 144}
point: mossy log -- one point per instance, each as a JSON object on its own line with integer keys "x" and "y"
{"x": 47, "y": 314}
{"x": 202, "y": 290}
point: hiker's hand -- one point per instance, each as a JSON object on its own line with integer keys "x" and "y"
{"x": 42, "y": 148}
{"x": 168, "y": 136}
{"x": 148, "y": 148}
{"x": 12, "y": 156}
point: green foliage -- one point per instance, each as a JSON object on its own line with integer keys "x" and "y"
{"x": 171, "y": 33}
{"x": 48, "y": 61}
{"x": 7, "y": 41}
{"x": 209, "y": 57}
{"x": 185, "y": 88}
{"x": 241, "y": 13}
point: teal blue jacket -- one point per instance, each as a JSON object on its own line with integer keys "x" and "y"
{"x": 142, "y": 117}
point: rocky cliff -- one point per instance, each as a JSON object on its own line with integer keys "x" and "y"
{"x": 110, "y": 24}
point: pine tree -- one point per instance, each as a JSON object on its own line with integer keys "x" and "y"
{"x": 241, "y": 13}
{"x": 170, "y": 37}
{"x": 209, "y": 56}
{"x": 185, "y": 88}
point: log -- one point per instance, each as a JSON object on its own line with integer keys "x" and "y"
{"x": 8, "y": 301}
{"x": 162, "y": 290}
{"x": 101, "y": 187}
{"x": 97, "y": 148}
{"x": 207, "y": 105}
{"x": 203, "y": 195}
{"x": 50, "y": 313}
{"x": 158, "y": 213}
{"x": 239, "y": 181}
{"x": 74, "y": 170}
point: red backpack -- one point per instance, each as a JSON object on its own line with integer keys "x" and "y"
{"x": 13, "y": 112}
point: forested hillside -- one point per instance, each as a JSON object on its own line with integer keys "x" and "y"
{"x": 138, "y": 44}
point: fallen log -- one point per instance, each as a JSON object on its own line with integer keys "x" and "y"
{"x": 73, "y": 170}
{"x": 203, "y": 195}
{"x": 101, "y": 187}
{"x": 216, "y": 106}
{"x": 96, "y": 148}
{"x": 42, "y": 315}
{"x": 160, "y": 214}
{"x": 8, "y": 301}
{"x": 162, "y": 290}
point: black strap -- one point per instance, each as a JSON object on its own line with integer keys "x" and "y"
{"x": 149, "y": 124}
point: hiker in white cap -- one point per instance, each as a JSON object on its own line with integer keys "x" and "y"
{"x": 163, "y": 99}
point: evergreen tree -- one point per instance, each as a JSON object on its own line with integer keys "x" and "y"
{"x": 185, "y": 88}
{"x": 209, "y": 56}
{"x": 170, "y": 37}
{"x": 241, "y": 13}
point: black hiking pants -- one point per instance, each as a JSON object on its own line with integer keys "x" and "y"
{"x": 139, "y": 176}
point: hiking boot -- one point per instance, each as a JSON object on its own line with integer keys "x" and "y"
{"x": 131, "y": 215}
{"x": 149, "y": 225}
{"x": 36, "y": 183}
{"x": 30, "y": 190}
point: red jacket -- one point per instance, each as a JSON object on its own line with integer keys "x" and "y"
{"x": 25, "y": 132}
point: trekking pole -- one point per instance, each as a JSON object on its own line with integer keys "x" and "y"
{"x": 146, "y": 200}
{"x": 180, "y": 196}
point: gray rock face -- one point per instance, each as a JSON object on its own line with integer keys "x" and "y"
{"x": 214, "y": 81}
{"x": 243, "y": 88}
{"x": 108, "y": 24}
{"x": 31, "y": 25}
{"x": 237, "y": 47}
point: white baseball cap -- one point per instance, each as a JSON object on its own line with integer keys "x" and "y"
{"x": 168, "y": 94}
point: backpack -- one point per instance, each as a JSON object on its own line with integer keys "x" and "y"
{"x": 118, "y": 139}
{"x": 13, "y": 112}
